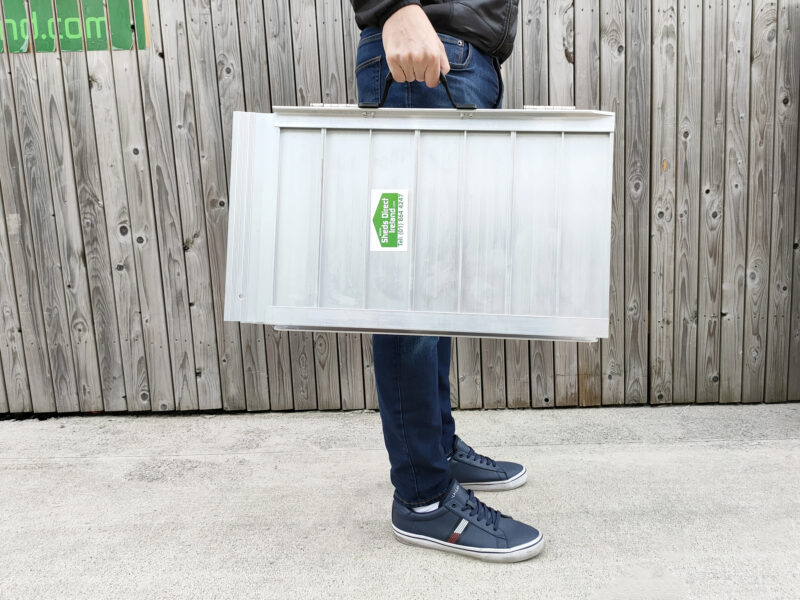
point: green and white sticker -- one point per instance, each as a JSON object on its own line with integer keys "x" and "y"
{"x": 390, "y": 216}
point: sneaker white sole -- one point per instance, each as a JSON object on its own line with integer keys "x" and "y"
{"x": 504, "y": 555}
{"x": 498, "y": 486}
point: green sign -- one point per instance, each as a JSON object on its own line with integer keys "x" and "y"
{"x": 89, "y": 25}
{"x": 389, "y": 211}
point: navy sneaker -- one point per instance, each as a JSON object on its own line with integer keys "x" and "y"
{"x": 477, "y": 472}
{"x": 464, "y": 525}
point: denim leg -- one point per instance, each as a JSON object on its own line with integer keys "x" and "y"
{"x": 412, "y": 372}
{"x": 448, "y": 424}
{"x": 408, "y": 389}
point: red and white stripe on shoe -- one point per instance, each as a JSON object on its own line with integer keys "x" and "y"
{"x": 458, "y": 531}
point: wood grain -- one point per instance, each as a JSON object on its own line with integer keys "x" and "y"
{"x": 759, "y": 209}
{"x": 194, "y": 239}
{"x": 113, "y": 188}
{"x": 370, "y": 390}
{"x": 122, "y": 237}
{"x": 16, "y": 392}
{"x": 326, "y": 359}
{"x": 230, "y": 85}
{"x": 712, "y": 174}
{"x": 70, "y": 237}
{"x": 612, "y": 95}
{"x": 587, "y": 96}
{"x": 163, "y": 175}
{"x": 351, "y": 371}
{"x": 690, "y": 31}
{"x": 470, "y": 388}
{"x": 561, "y": 87}
{"x": 47, "y": 254}
{"x": 637, "y": 194}
{"x": 784, "y": 178}
{"x": 493, "y": 373}
{"x": 735, "y": 209}
{"x": 26, "y": 348}
{"x": 214, "y": 196}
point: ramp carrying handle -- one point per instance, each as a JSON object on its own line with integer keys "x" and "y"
{"x": 442, "y": 80}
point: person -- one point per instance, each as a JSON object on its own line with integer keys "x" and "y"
{"x": 434, "y": 472}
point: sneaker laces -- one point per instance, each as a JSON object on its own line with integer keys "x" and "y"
{"x": 481, "y": 512}
{"x": 472, "y": 455}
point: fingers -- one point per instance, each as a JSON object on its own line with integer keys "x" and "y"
{"x": 422, "y": 65}
{"x": 444, "y": 63}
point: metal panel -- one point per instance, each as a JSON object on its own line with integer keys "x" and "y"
{"x": 507, "y": 221}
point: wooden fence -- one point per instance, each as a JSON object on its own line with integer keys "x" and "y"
{"x": 114, "y": 168}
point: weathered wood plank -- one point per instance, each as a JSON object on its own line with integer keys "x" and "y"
{"x": 282, "y": 93}
{"x": 784, "y": 181}
{"x": 279, "y": 368}
{"x": 280, "y": 53}
{"x": 122, "y": 236}
{"x": 305, "y": 51}
{"x": 542, "y": 375}
{"x": 493, "y": 373}
{"x": 517, "y": 375}
{"x": 587, "y": 96}
{"x": 793, "y": 387}
{"x": 255, "y": 79}
{"x": 351, "y": 371}
{"x": 712, "y": 174}
{"x": 135, "y": 159}
{"x": 637, "y": 196}
{"x": 102, "y": 254}
{"x": 561, "y": 52}
{"x": 256, "y": 72}
{"x": 230, "y": 85}
{"x": 612, "y": 97}
{"x": 45, "y": 240}
{"x": 535, "y": 87}
{"x": 370, "y": 390}
{"x": 70, "y": 237}
{"x": 184, "y": 126}
{"x": 169, "y": 228}
{"x": 352, "y": 35}
{"x": 690, "y": 31}
{"x": 566, "y": 374}
{"x": 215, "y": 195}
{"x": 533, "y": 30}
{"x": 735, "y": 209}
{"x": 16, "y": 393}
{"x": 255, "y": 66}
{"x": 762, "y": 130}
{"x": 470, "y": 393}
{"x": 662, "y": 218}
{"x": 307, "y": 91}
{"x": 326, "y": 359}
{"x": 303, "y": 379}
{"x": 561, "y": 55}
{"x": 331, "y": 51}
{"x": 25, "y": 341}
{"x": 518, "y": 379}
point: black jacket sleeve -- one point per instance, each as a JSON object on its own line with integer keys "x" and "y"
{"x": 375, "y": 12}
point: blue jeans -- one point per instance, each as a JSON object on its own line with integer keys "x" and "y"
{"x": 412, "y": 372}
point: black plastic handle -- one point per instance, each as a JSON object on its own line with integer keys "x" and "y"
{"x": 442, "y": 80}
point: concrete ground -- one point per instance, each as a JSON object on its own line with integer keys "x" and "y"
{"x": 639, "y": 503}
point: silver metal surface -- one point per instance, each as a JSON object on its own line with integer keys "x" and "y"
{"x": 507, "y": 221}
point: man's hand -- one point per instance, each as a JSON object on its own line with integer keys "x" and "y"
{"x": 413, "y": 50}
